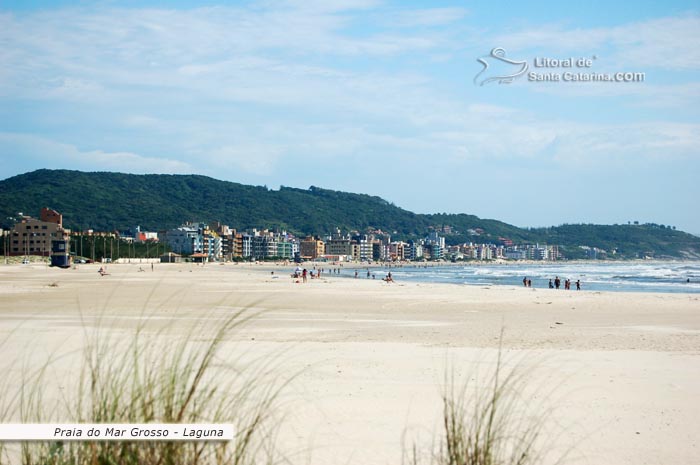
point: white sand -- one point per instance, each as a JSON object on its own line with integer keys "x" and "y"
{"x": 371, "y": 356}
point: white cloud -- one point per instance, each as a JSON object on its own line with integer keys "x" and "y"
{"x": 426, "y": 17}
{"x": 644, "y": 94}
{"x": 251, "y": 158}
{"x": 323, "y": 5}
{"x": 666, "y": 43}
{"x": 107, "y": 54}
{"x": 255, "y": 89}
{"x": 142, "y": 121}
{"x": 56, "y": 154}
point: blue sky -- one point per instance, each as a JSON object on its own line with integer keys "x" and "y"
{"x": 367, "y": 96}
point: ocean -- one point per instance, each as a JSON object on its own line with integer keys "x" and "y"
{"x": 648, "y": 276}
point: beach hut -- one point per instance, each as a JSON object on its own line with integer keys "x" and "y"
{"x": 60, "y": 253}
{"x": 199, "y": 257}
{"x": 170, "y": 257}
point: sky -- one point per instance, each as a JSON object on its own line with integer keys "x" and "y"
{"x": 403, "y": 100}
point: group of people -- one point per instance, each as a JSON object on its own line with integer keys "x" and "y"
{"x": 567, "y": 284}
{"x": 555, "y": 284}
{"x": 304, "y": 274}
{"x": 388, "y": 278}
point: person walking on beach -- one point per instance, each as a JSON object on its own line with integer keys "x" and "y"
{"x": 303, "y": 275}
{"x": 557, "y": 282}
{"x": 529, "y": 283}
{"x": 525, "y": 281}
{"x": 578, "y": 284}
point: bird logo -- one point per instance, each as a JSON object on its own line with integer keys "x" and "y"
{"x": 501, "y": 69}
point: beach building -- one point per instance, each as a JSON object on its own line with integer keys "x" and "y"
{"x": 60, "y": 252}
{"x": 312, "y": 248}
{"x": 227, "y": 238}
{"x": 515, "y": 253}
{"x": 413, "y": 250}
{"x": 211, "y": 244}
{"x": 185, "y": 240}
{"x": 31, "y": 236}
{"x": 484, "y": 252}
{"x": 170, "y": 257}
{"x": 285, "y": 249}
{"x": 397, "y": 250}
{"x": 195, "y": 238}
{"x": 144, "y": 236}
{"x": 362, "y": 247}
{"x": 338, "y": 244}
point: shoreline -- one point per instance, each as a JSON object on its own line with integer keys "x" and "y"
{"x": 379, "y": 270}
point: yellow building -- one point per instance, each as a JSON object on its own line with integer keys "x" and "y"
{"x": 311, "y": 248}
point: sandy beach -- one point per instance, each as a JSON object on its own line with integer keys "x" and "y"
{"x": 620, "y": 371}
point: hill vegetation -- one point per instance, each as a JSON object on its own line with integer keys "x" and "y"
{"x": 112, "y": 201}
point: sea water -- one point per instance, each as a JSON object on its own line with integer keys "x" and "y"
{"x": 647, "y": 276}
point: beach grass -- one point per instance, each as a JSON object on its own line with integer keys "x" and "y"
{"x": 489, "y": 420}
{"x": 140, "y": 376}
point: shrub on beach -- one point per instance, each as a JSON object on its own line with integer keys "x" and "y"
{"x": 151, "y": 377}
{"x": 490, "y": 423}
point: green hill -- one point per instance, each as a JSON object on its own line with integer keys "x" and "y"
{"x": 109, "y": 201}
